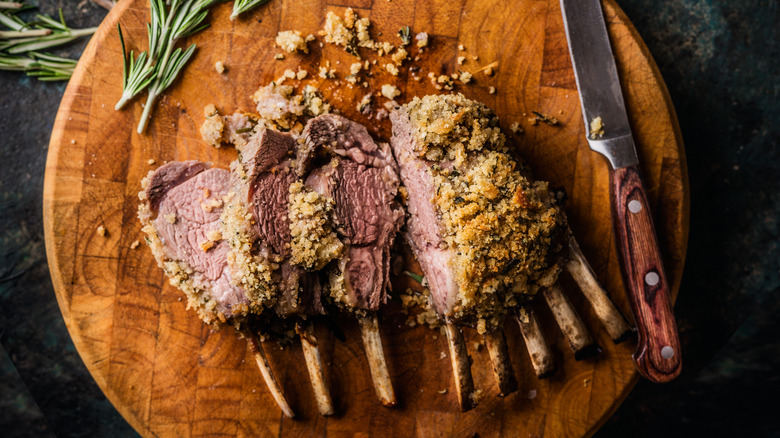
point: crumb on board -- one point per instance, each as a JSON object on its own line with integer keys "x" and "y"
{"x": 390, "y": 91}
{"x": 465, "y": 77}
{"x": 461, "y": 48}
{"x": 293, "y": 41}
{"x": 213, "y": 126}
{"x": 101, "y": 231}
{"x": 220, "y": 67}
{"x": 515, "y": 128}
{"x": 492, "y": 90}
{"x": 135, "y": 244}
{"x": 422, "y": 39}
{"x": 461, "y": 60}
{"x": 392, "y": 69}
{"x": 279, "y": 56}
{"x": 151, "y": 162}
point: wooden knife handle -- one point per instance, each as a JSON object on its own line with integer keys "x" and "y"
{"x": 658, "y": 354}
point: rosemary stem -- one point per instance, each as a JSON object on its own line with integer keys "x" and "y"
{"x": 147, "y": 111}
{"x": 23, "y": 33}
{"x": 10, "y": 5}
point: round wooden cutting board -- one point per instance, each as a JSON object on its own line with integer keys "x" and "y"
{"x": 170, "y": 375}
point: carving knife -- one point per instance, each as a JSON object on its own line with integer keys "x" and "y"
{"x": 657, "y": 356}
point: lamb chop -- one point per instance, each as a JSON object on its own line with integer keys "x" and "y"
{"x": 488, "y": 237}
{"x": 273, "y": 218}
{"x": 180, "y": 212}
{"x": 362, "y": 180}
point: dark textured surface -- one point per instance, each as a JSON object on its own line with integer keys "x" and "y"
{"x": 719, "y": 60}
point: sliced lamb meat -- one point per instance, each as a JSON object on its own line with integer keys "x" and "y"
{"x": 480, "y": 228}
{"x": 362, "y": 181}
{"x": 181, "y": 216}
{"x": 266, "y": 172}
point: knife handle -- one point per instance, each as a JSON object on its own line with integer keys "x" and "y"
{"x": 658, "y": 352}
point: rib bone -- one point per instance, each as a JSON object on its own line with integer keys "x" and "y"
{"x": 502, "y": 366}
{"x": 538, "y": 350}
{"x": 265, "y": 369}
{"x": 605, "y": 309}
{"x": 311, "y": 353}
{"x": 570, "y": 323}
{"x": 372, "y": 343}
{"x": 461, "y": 367}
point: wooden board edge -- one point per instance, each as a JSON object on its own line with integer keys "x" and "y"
{"x": 107, "y": 26}
{"x": 685, "y": 214}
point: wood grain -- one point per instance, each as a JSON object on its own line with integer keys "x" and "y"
{"x": 658, "y": 355}
{"x": 169, "y": 375}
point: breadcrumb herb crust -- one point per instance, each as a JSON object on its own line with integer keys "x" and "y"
{"x": 497, "y": 222}
{"x": 180, "y": 273}
{"x": 314, "y": 242}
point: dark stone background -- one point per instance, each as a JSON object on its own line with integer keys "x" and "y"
{"x": 719, "y": 60}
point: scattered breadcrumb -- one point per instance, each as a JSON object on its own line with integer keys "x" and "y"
{"x": 214, "y": 235}
{"x": 301, "y": 75}
{"x": 364, "y": 106}
{"x": 461, "y": 60}
{"x": 292, "y": 41}
{"x": 552, "y": 121}
{"x": 170, "y": 218}
{"x": 279, "y": 56}
{"x": 515, "y": 127}
{"x": 442, "y": 391}
{"x": 390, "y": 91}
{"x": 596, "y": 128}
{"x": 492, "y": 90}
{"x": 151, "y": 162}
{"x": 220, "y": 67}
{"x": 461, "y": 48}
{"x": 101, "y": 230}
{"x": 399, "y": 56}
{"x": 135, "y": 244}
{"x": 206, "y": 245}
{"x": 392, "y": 69}
{"x": 213, "y": 127}
{"x": 465, "y": 77}
{"x": 422, "y": 39}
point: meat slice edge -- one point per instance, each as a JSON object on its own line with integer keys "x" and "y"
{"x": 184, "y": 233}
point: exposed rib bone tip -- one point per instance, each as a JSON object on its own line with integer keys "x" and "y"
{"x": 536, "y": 344}
{"x": 609, "y": 315}
{"x": 265, "y": 369}
{"x": 569, "y": 322}
{"x": 311, "y": 353}
{"x": 461, "y": 368}
{"x": 372, "y": 343}
{"x": 498, "y": 351}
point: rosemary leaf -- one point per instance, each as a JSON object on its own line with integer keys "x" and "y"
{"x": 241, "y": 6}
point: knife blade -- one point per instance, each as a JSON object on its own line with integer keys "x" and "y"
{"x": 657, "y": 356}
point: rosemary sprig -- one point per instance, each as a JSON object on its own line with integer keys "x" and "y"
{"x": 20, "y": 45}
{"x": 241, "y": 6}
{"x": 10, "y": 5}
{"x": 155, "y": 69}
{"x": 406, "y": 35}
{"x": 48, "y": 33}
{"x": 45, "y": 66}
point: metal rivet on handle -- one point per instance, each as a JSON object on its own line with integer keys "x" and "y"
{"x": 634, "y": 206}
{"x": 667, "y": 352}
{"x": 652, "y": 278}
